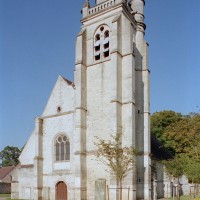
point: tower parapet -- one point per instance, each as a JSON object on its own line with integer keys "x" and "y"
{"x": 100, "y": 6}
{"x": 100, "y": 1}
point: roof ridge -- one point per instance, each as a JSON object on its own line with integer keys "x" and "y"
{"x": 68, "y": 81}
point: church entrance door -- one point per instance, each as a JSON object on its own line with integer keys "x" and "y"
{"x": 61, "y": 191}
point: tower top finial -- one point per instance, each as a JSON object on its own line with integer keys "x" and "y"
{"x": 86, "y": 4}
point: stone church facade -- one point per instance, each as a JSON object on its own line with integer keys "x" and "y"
{"x": 110, "y": 95}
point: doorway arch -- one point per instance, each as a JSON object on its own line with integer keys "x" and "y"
{"x": 61, "y": 191}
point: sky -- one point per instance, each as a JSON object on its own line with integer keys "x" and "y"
{"x": 37, "y": 44}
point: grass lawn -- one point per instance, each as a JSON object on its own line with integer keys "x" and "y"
{"x": 7, "y": 196}
{"x": 12, "y": 199}
{"x": 4, "y": 195}
{"x": 184, "y": 198}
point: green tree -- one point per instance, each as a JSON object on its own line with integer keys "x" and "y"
{"x": 191, "y": 168}
{"x": 9, "y": 156}
{"x": 177, "y": 136}
{"x": 119, "y": 159}
{"x": 183, "y": 136}
{"x": 174, "y": 168}
{"x": 195, "y": 136}
{"x": 160, "y": 120}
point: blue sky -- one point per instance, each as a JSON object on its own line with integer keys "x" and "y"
{"x": 37, "y": 43}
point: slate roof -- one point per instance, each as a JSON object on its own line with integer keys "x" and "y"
{"x": 158, "y": 151}
{"x": 4, "y": 171}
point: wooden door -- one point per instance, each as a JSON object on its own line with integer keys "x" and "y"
{"x": 61, "y": 191}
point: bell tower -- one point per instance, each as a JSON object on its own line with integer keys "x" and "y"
{"x": 143, "y": 102}
{"x": 112, "y": 94}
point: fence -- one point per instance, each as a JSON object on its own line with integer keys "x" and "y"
{"x": 174, "y": 191}
{"x": 125, "y": 191}
{"x": 194, "y": 190}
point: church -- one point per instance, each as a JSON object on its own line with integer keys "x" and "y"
{"x": 110, "y": 94}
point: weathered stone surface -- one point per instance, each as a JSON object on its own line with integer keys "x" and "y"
{"x": 110, "y": 95}
{"x": 100, "y": 190}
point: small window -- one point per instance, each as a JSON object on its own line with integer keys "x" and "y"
{"x": 102, "y": 43}
{"x": 57, "y": 151}
{"x": 102, "y": 28}
{"x": 106, "y": 34}
{"x": 97, "y": 57}
{"x": 62, "y": 148}
{"x": 97, "y": 43}
{"x": 97, "y": 48}
{"x": 97, "y": 37}
{"x": 106, "y": 45}
{"x": 106, "y": 54}
{"x": 58, "y": 109}
{"x": 67, "y": 155}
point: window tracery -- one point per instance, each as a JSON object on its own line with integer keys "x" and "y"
{"x": 62, "y": 148}
{"x": 102, "y": 43}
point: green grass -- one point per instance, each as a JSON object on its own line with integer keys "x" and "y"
{"x": 4, "y": 195}
{"x": 13, "y": 199}
{"x": 8, "y": 197}
{"x": 184, "y": 198}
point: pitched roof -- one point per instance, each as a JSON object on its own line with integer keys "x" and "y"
{"x": 69, "y": 82}
{"x": 4, "y": 171}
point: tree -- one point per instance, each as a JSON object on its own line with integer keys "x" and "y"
{"x": 195, "y": 136}
{"x": 191, "y": 166}
{"x": 178, "y": 133}
{"x": 160, "y": 120}
{"x": 174, "y": 169}
{"x": 182, "y": 137}
{"x": 178, "y": 136}
{"x": 191, "y": 169}
{"x": 119, "y": 159}
{"x": 9, "y": 156}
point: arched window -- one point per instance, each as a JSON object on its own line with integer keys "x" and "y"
{"x": 106, "y": 44}
{"x": 97, "y": 37}
{"x": 102, "y": 43}
{"x": 97, "y": 47}
{"x": 106, "y": 34}
{"x": 62, "y": 148}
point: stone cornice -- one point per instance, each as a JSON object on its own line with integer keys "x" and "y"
{"x": 38, "y": 158}
{"x": 122, "y": 55}
{"x": 81, "y": 108}
{"x": 142, "y": 70}
{"x": 125, "y": 11}
{"x": 27, "y": 166}
{"x": 100, "y": 62}
{"x": 122, "y": 102}
{"x": 57, "y": 115}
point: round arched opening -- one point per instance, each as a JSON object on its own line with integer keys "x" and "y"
{"x": 61, "y": 191}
